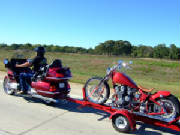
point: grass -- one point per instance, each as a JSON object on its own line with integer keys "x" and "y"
{"x": 150, "y": 73}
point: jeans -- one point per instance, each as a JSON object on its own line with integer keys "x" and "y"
{"x": 23, "y": 80}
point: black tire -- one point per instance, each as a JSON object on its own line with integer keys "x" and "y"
{"x": 121, "y": 123}
{"x": 101, "y": 97}
{"x": 172, "y": 105}
{"x": 6, "y": 88}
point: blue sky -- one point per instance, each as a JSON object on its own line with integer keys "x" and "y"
{"x": 86, "y": 23}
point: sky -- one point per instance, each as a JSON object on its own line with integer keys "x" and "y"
{"x": 86, "y": 23}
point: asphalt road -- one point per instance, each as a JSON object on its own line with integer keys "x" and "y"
{"x": 25, "y": 116}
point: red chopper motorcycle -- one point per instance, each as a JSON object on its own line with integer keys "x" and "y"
{"x": 161, "y": 105}
{"x": 50, "y": 84}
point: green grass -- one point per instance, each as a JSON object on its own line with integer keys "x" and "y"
{"x": 150, "y": 73}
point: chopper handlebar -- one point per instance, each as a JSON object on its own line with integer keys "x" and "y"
{"x": 121, "y": 64}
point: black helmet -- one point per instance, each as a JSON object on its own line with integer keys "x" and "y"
{"x": 40, "y": 49}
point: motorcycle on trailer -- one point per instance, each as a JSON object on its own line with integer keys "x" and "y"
{"x": 130, "y": 103}
{"x": 161, "y": 105}
{"x": 49, "y": 84}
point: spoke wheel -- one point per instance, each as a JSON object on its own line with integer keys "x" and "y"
{"x": 171, "y": 107}
{"x": 6, "y": 87}
{"x": 96, "y": 90}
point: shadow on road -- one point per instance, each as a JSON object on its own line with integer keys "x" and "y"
{"x": 73, "y": 107}
{"x": 144, "y": 130}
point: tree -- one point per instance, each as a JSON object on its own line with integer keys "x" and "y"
{"x": 91, "y": 51}
{"x": 134, "y": 51}
{"x": 161, "y": 51}
{"x": 144, "y": 51}
{"x": 117, "y": 50}
{"x": 126, "y": 48}
{"x": 100, "y": 49}
{"x": 109, "y": 45}
{"x": 15, "y": 46}
{"x": 173, "y": 52}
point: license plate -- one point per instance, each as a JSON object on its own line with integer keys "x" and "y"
{"x": 61, "y": 85}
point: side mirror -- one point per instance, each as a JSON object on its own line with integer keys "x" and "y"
{"x": 6, "y": 61}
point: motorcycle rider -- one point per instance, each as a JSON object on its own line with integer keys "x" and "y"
{"x": 37, "y": 62}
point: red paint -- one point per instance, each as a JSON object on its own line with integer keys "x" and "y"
{"x": 160, "y": 93}
{"x": 143, "y": 95}
{"x": 10, "y": 72}
{"x": 154, "y": 122}
{"x": 122, "y": 78}
{"x": 131, "y": 117}
{"x": 53, "y": 73}
{"x": 84, "y": 94}
{"x": 39, "y": 85}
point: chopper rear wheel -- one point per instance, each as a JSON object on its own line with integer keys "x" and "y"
{"x": 171, "y": 105}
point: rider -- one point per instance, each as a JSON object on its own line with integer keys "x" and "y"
{"x": 37, "y": 62}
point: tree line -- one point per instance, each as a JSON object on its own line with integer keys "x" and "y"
{"x": 110, "y": 48}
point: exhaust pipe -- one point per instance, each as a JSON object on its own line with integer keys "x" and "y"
{"x": 46, "y": 99}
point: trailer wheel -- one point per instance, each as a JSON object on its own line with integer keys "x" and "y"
{"x": 121, "y": 123}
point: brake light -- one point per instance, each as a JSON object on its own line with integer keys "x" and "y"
{"x": 52, "y": 88}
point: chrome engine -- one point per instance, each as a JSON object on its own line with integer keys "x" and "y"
{"x": 124, "y": 95}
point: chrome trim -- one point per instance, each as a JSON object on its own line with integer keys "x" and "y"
{"x": 48, "y": 92}
{"x": 158, "y": 117}
{"x": 45, "y": 98}
{"x": 59, "y": 78}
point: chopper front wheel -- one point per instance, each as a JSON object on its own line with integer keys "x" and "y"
{"x": 96, "y": 90}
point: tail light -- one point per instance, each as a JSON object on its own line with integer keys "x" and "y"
{"x": 52, "y": 88}
{"x": 69, "y": 87}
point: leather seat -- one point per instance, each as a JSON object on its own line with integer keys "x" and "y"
{"x": 144, "y": 89}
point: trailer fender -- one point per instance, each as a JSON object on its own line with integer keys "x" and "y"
{"x": 128, "y": 115}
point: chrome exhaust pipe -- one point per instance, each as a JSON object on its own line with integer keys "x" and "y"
{"x": 155, "y": 117}
{"x": 46, "y": 99}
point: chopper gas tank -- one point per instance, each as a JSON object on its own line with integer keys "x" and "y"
{"x": 123, "y": 79}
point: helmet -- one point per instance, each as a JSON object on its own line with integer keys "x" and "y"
{"x": 40, "y": 49}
